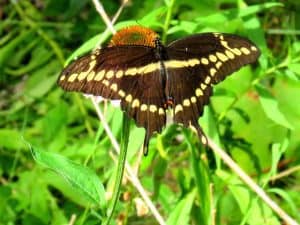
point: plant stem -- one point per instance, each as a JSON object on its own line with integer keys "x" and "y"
{"x": 131, "y": 175}
{"x": 120, "y": 169}
{"x": 168, "y": 20}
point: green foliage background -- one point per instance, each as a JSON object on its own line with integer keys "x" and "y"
{"x": 254, "y": 115}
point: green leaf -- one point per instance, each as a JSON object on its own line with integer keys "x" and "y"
{"x": 284, "y": 195}
{"x": 84, "y": 180}
{"x": 295, "y": 67}
{"x": 10, "y": 139}
{"x": 231, "y": 14}
{"x": 270, "y": 107}
{"x": 180, "y": 215}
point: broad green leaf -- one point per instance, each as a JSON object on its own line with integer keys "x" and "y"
{"x": 284, "y": 195}
{"x": 254, "y": 211}
{"x": 295, "y": 67}
{"x": 180, "y": 215}
{"x": 10, "y": 139}
{"x": 270, "y": 107}
{"x": 235, "y": 13}
{"x": 292, "y": 75}
{"x": 152, "y": 18}
{"x": 84, "y": 180}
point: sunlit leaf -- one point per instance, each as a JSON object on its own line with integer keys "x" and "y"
{"x": 271, "y": 108}
{"x": 84, "y": 180}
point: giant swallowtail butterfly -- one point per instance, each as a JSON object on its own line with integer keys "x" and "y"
{"x": 150, "y": 78}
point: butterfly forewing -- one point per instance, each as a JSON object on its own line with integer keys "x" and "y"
{"x": 215, "y": 54}
{"x": 130, "y": 73}
{"x": 106, "y": 72}
{"x": 195, "y": 63}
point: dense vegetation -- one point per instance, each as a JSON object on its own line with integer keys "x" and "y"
{"x": 254, "y": 115}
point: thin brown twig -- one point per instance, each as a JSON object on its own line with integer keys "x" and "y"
{"x": 103, "y": 14}
{"x": 285, "y": 173}
{"x": 72, "y": 219}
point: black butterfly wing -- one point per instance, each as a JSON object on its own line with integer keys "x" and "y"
{"x": 195, "y": 63}
{"x": 105, "y": 72}
{"x": 129, "y": 73}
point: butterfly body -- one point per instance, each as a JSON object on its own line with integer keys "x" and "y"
{"x": 151, "y": 78}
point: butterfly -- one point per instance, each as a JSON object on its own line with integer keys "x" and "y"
{"x": 150, "y": 78}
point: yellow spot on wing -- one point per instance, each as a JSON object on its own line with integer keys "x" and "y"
{"x": 121, "y": 93}
{"x": 114, "y": 87}
{"x": 62, "y": 77}
{"x": 204, "y": 61}
{"x": 229, "y": 54}
{"x": 92, "y": 65}
{"x": 225, "y": 44}
{"x": 153, "y": 108}
{"x": 90, "y": 76}
{"x": 193, "y": 62}
{"x": 212, "y": 58}
{"x": 135, "y": 103}
{"x": 144, "y": 107}
{"x": 203, "y": 86}
{"x": 245, "y": 50}
{"x": 253, "y": 48}
{"x": 131, "y": 71}
{"x": 128, "y": 98}
{"x": 193, "y": 99}
{"x": 178, "y": 108}
{"x": 72, "y": 77}
{"x": 222, "y": 57}
{"x": 186, "y": 102}
{"x": 236, "y": 51}
{"x": 82, "y": 76}
{"x": 161, "y": 111}
{"x": 198, "y": 92}
{"x": 149, "y": 68}
{"x": 212, "y": 72}
{"x": 176, "y": 64}
{"x": 105, "y": 82}
{"x": 99, "y": 76}
{"x": 207, "y": 80}
{"x": 109, "y": 74}
{"x": 181, "y": 63}
{"x": 119, "y": 73}
{"x": 218, "y": 64}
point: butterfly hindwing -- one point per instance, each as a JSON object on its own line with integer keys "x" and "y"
{"x": 190, "y": 95}
{"x": 146, "y": 106}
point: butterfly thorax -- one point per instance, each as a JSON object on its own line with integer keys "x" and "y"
{"x": 161, "y": 55}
